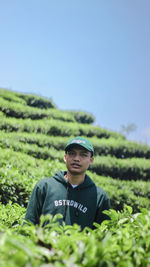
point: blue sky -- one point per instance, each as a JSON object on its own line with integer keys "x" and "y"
{"x": 85, "y": 55}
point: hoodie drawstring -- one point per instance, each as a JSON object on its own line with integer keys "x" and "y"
{"x": 65, "y": 209}
{"x": 78, "y": 197}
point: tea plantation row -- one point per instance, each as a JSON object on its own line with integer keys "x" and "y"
{"x": 17, "y": 110}
{"x": 116, "y": 147}
{"x": 17, "y": 104}
{"x": 54, "y": 127}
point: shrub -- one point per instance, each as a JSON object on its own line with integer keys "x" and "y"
{"x": 83, "y": 117}
{"x": 11, "y": 96}
{"x": 37, "y": 101}
{"x": 132, "y": 169}
{"x": 19, "y": 173}
{"x": 55, "y": 127}
{"x": 117, "y": 242}
{"x": 17, "y": 110}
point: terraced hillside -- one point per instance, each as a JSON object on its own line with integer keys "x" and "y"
{"x": 32, "y": 140}
{"x": 33, "y": 134}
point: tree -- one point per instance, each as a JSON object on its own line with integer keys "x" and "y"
{"x": 127, "y": 129}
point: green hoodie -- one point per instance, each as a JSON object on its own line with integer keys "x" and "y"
{"x": 82, "y": 205}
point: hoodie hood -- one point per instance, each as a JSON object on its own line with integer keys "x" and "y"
{"x": 59, "y": 176}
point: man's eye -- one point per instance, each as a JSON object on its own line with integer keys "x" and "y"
{"x": 83, "y": 155}
{"x": 71, "y": 153}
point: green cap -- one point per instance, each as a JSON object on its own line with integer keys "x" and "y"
{"x": 81, "y": 142}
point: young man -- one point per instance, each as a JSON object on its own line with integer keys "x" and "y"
{"x": 71, "y": 193}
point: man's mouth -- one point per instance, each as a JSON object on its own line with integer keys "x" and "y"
{"x": 75, "y": 165}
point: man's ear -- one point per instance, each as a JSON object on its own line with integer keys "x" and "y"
{"x": 65, "y": 158}
{"x": 91, "y": 160}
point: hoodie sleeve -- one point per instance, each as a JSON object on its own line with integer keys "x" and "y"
{"x": 34, "y": 208}
{"x": 103, "y": 204}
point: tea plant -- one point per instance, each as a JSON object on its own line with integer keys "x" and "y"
{"x": 124, "y": 240}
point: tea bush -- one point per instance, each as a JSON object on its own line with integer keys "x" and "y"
{"x": 19, "y": 173}
{"x": 128, "y": 169}
{"x": 123, "y": 241}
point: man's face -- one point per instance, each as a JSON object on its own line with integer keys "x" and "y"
{"x": 78, "y": 159}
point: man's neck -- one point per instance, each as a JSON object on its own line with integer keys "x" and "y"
{"x": 74, "y": 179}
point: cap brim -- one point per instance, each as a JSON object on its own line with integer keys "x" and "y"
{"x": 80, "y": 145}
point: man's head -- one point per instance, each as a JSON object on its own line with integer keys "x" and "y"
{"x": 79, "y": 155}
{"x": 82, "y": 142}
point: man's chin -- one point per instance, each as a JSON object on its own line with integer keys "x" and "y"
{"x": 76, "y": 172}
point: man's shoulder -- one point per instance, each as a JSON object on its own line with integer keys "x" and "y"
{"x": 46, "y": 181}
{"x": 55, "y": 178}
{"x": 101, "y": 192}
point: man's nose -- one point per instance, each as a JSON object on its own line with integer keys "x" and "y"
{"x": 76, "y": 157}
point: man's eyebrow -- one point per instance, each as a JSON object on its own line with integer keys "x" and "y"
{"x": 80, "y": 150}
{"x": 84, "y": 151}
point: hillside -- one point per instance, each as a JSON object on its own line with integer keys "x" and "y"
{"x": 33, "y": 134}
